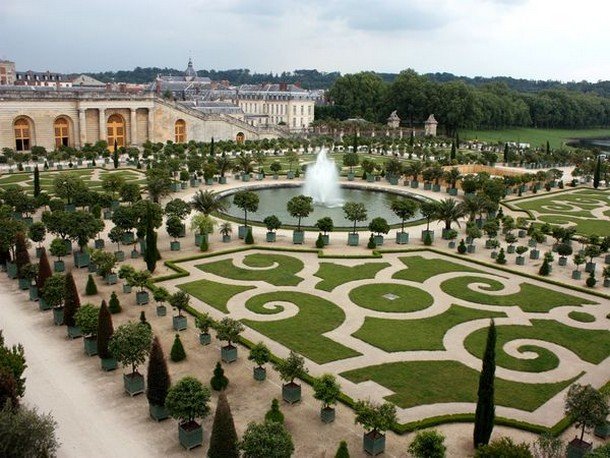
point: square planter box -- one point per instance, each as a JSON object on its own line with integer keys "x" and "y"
{"x": 590, "y": 267}
{"x": 290, "y": 175}
{"x": 81, "y": 259}
{"x": 276, "y": 177}
{"x": 451, "y": 244}
{"x": 38, "y": 252}
{"x": 133, "y": 383}
{"x": 453, "y": 191}
{"x": 520, "y": 260}
{"x": 436, "y": 188}
{"x": 134, "y": 254}
{"x": 350, "y": 177}
{"x": 576, "y": 275}
{"x": 205, "y": 338}
{"x": 179, "y": 323}
{"x": 24, "y": 284}
{"x": 128, "y": 238}
{"x": 190, "y": 435}
{"x": 107, "y": 214}
{"x": 11, "y": 270}
{"x": 174, "y": 246}
{"x": 109, "y": 364}
{"x": 127, "y": 288}
{"x": 606, "y": 282}
{"x": 226, "y": 238}
{"x": 90, "y": 344}
{"x": 607, "y": 259}
{"x": 111, "y": 279}
{"x": 245, "y": 177}
{"x": 222, "y": 180}
{"x": 298, "y": 237}
{"x": 378, "y": 239}
{"x": 58, "y": 316}
{"x": 33, "y": 292}
{"x": 119, "y": 255}
{"x": 427, "y": 186}
{"x": 534, "y": 254}
{"x": 99, "y": 244}
{"x": 370, "y": 178}
{"x": 326, "y": 239}
{"x": 241, "y": 232}
{"x": 158, "y": 413}
{"x": 510, "y": 249}
{"x": 327, "y": 414}
{"x": 198, "y": 239}
{"x": 184, "y": 185}
{"x": 353, "y": 239}
{"x": 414, "y": 184}
{"x": 423, "y": 235}
{"x": 531, "y": 243}
{"x": 578, "y": 449}
{"x": 259, "y": 373}
{"x": 42, "y": 305}
{"x": 74, "y": 332}
{"x": 373, "y": 444}
{"x": 142, "y": 297}
{"x": 175, "y": 187}
{"x": 563, "y": 261}
{"x": 161, "y": 310}
{"x": 402, "y": 238}
{"x": 59, "y": 266}
{"x": 210, "y": 181}
{"x": 603, "y": 430}
{"x": 291, "y": 392}
{"x": 270, "y": 237}
{"x": 228, "y": 354}
{"x": 471, "y": 248}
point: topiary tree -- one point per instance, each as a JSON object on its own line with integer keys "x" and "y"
{"x": 229, "y": 330}
{"x": 485, "y": 411}
{"x": 504, "y": 447}
{"x": 291, "y": 367}
{"x": 379, "y": 226}
{"x": 501, "y": 258}
{"x": 71, "y": 301}
{"x": 247, "y": 201}
{"x": 268, "y": 439}
{"x": 44, "y": 270}
{"x": 86, "y": 318}
{"x": 272, "y": 223}
{"x": 177, "y": 353}
{"x": 54, "y": 291}
{"x": 428, "y": 444}
{"x": 105, "y": 330}
{"x": 187, "y": 401}
{"x": 158, "y": 379}
{"x": 375, "y": 418}
{"x": 219, "y": 381}
{"x": 326, "y": 389}
{"x": 260, "y": 354}
{"x": 37, "y": 232}
{"x": 114, "y": 305}
{"x": 249, "y": 240}
{"x": 300, "y": 207}
{"x": 342, "y": 451}
{"x": 325, "y": 224}
{"x": 223, "y": 440}
{"x": 545, "y": 268}
{"x": 274, "y": 414}
{"x": 173, "y": 226}
{"x": 91, "y": 288}
{"x": 355, "y": 212}
{"x": 405, "y": 209}
{"x": 130, "y": 345}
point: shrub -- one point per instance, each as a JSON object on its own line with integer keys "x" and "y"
{"x": 371, "y": 245}
{"x": 86, "y": 318}
{"x": 319, "y": 241}
{"x": 428, "y": 444}
{"x": 71, "y": 301}
{"x": 223, "y": 441}
{"x": 504, "y": 447}
{"x": 461, "y": 249}
{"x": 104, "y": 331}
{"x": 326, "y": 389}
{"x": 157, "y": 378}
{"x": 291, "y": 367}
{"x": 427, "y": 239}
{"x": 114, "y": 305}
{"x": 267, "y": 439}
{"x": 545, "y": 268}
{"x": 91, "y": 288}
{"x": 219, "y": 381}
{"x": 591, "y": 280}
{"x": 274, "y": 414}
{"x": 187, "y": 400}
{"x": 260, "y": 354}
{"x": 249, "y": 238}
{"x": 26, "y": 433}
{"x": 342, "y": 451}
{"x": 501, "y": 258}
{"x": 177, "y": 353}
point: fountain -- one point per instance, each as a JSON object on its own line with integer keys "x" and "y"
{"x": 322, "y": 182}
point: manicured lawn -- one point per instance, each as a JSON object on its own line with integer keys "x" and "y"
{"x": 417, "y": 383}
{"x": 212, "y": 293}
{"x": 282, "y": 275}
{"x": 374, "y": 297}
{"x": 590, "y": 345}
{"x": 420, "y": 334}
{"x": 333, "y": 275}
{"x": 531, "y": 298}
{"x": 302, "y": 332}
{"x": 583, "y": 317}
{"x": 420, "y": 269}
{"x": 536, "y": 137}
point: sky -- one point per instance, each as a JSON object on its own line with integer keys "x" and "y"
{"x": 534, "y": 39}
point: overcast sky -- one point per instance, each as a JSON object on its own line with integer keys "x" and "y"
{"x": 539, "y": 39}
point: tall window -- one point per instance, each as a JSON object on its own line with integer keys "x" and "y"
{"x": 240, "y": 137}
{"x": 61, "y": 133}
{"x": 180, "y": 131}
{"x": 22, "y": 135}
{"x": 115, "y": 128}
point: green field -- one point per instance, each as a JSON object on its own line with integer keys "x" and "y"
{"x": 535, "y": 137}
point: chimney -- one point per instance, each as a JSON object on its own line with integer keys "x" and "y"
{"x": 283, "y": 86}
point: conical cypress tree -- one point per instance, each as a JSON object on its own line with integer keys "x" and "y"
{"x": 545, "y": 269}
{"x": 44, "y": 270}
{"x": 223, "y": 441}
{"x": 115, "y": 155}
{"x": 150, "y": 253}
{"x": 36, "y": 182}
{"x": 71, "y": 302}
{"x": 105, "y": 329}
{"x": 485, "y": 413}
{"x": 342, "y": 451}
{"x": 22, "y": 257}
{"x": 114, "y": 306}
{"x": 143, "y": 319}
{"x": 249, "y": 238}
{"x": 453, "y": 151}
{"x": 91, "y": 287}
{"x": 157, "y": 378}
{"x": 597, "y": 172}
{"x": 505, "y": 152}
{"x": 219, "y": 382}
{"x": 177, "y": 354}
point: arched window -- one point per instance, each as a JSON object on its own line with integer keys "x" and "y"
{"x": 240, "y": 137}
{"x": 115, "y": 129}
{"x": 180, "y": 131}
{"x": 22, "y": 134}
{"x": 62, "y": 137}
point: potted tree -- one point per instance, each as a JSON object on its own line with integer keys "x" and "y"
{"x": 289, "y": 369}
{"x": 511, "y": 239}
{"x": 59, "y": 250}
{"x": 203, "y": 323}
{"x": 116, "y": 235}
{"x": 564, "y": 250}
{"x": 379, "y": 226}
{"x": 179, "y": 300}
{"x": 29, "y": 273}
{"x": 521, "y": 250}
{"x": 299, "y": 207}
{"x": 606, "y": 275}
{"x": 451, "y": 235}
{"x": 354, "y": 212}
{"x": 275, "y": 167}
{"x": 202, "y": 225}
{"x": 161, "y": 295}
{"x": 173, "y": 226}
{"x": 405, "y": 209}
{"x": 37, "y": 233}
{"x": 158, "y": 382}
{"x": 105, "y": 330}
{"x": 428, "y": 211}
{"x": 327, "y": 389}
{"x": 376, "y": 419}
{"x": 187, "y": 401}
{"x": 140, "y": 279}
{"x": 578, "y": 260}
{"x": 248, "y": 202}
{"x": 325, "y": 225}
{"x": 472, "y": 232}
{"x": 591, "y": 251}
{"x": 350, "y": 160}
{"x": 87, "y": 320}
{"x": 587, "y": 408}
{"x": 106, "y": 263}
{"x": 260, "y": 354}
{"x": 225, "y": 230}
{"x": 228, "y": 330}
{"x": 272, "y": 223}
{"x": 130, "y": 345}
{"x": 126, "y": 273}
{"x": 53, "y": 295}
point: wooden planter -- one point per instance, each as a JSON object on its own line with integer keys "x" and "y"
{"x": 577, "y": 448}
{"x": 74, "y": 332}
{"x": 534, "y": 254}
{"x": 576, "y": 275}
{"x": 179, "y": 323}
{"x": 378, "y": 239}
{"x": 298, "y": 237}
{"x": 158, "y": 413}
{"x": 59, "y": 266}
{"x": 402, "y": 238}
{"x": 161, "y": 310}
{"x": 142, "y": 297}
{"x": 270, "y": 236}
{"x": 174, "y": 246}
{"x": 33, "y": 292}
{"x": 190, "y": 435}
{"x": 414, "y": 184}
{"x": 42, "y": 305}
{"x": 90, "y": 344}
{"x": 423, "y": 235}
{"x": 228, "y": 353}
{"x": 471, "y": 248}
{"x": 127, "y": 288}
{"x": 226, "y": 238}
{"x": 520, "y": 260}
{"x": 259, "y": 373}
{"x": 590, "y": 267}
{"x": 24, "y": 284}
{"x": 241, "y": 232}
{"x": 109, "y": 364}
{"x": 112, "y": 279}
{"x": 58, "y": 316}
{"x": 119, "y": 255}
{"x": 205, "y": 338}
{"x": 81, "y": 259}
{"x": 133, "y": 383}
{"x": 99, "y": 244}
{"x": 327, "y": 414}
{"x": 291, "y": 392}
{"x": 353, "y": 239}
{"x": 563, "y": 261}
{"x": 373, "y": 443}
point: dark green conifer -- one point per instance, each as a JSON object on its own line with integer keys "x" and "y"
{"x": 105, "y": 329}
{"x": 249, "y": 238}
{"x": 71, "y": 301}
{"x": 114, "y": 306}
{"x": 36, "y": 182}
{"x": 223, "y": 441}
{"x": 157, "y": 378}
{"x": 91, "y": 287}
{"x": 545, "y": 269}
{"x": 342, "y": 451}
{"x": 485, "y": 412}
{"x": 177, "y": 353}
{"x": 219, "y": 382}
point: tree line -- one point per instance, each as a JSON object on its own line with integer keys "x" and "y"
{"x": 458, "y": 105}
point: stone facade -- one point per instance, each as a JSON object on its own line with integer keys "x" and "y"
{"x": 430, "y": 126}
{"x": 88, "y": 116}
{"x": 7, "y": 72}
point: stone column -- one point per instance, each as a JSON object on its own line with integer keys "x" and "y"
{"x": 82, "y": 127}
{"x": 151, "y": 124}
{"x": 134, "y": 127}
{"x": 102, "y": 119}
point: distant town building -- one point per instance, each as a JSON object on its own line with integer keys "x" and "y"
{"x": 181, "y": 87}
{"x": 430, "y": 126}
{"x": 45, "y": 79}
{"x": 7, "y": 72}
{"x": 393, "y": 120}
{"x": 87, "y": 81}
